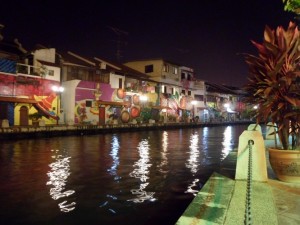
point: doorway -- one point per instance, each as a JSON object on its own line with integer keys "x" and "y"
{"x": 101, "y": 115}
{"x": 24, "y": 116}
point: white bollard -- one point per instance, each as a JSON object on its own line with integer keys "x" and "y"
{"x": 259, "y": 164}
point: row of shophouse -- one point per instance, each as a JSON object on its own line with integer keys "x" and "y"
{"x": 68, "y": 88}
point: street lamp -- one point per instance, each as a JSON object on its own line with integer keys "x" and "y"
{"x": 143, "y": 98}
{"x": 58, "y": 90}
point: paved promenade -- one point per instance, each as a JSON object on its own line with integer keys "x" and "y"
{"x": 286, "y": 196}
{"x": 222, "y": 200}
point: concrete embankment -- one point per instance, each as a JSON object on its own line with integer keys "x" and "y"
{"x": 19, "y": 132}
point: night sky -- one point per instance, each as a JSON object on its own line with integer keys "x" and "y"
{"x": 207, "y": 35}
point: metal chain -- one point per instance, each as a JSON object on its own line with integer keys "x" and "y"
{"x": 248, "y": 217}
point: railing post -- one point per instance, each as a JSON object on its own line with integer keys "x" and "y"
{"x": 248, "y": 216}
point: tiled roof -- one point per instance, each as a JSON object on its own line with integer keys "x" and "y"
{"x": 93, "y": 62}
{"x": 9, "y": 49}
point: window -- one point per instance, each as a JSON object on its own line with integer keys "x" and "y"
{"x": 189, "y": 93}
{"x": 51, "y": 72}
{"x": 183, "y": 92}
{"x": 88, "y": 103}
{"x": 211, "y": 98}
{"x": 166, "y": 68}
{"x": 164, "y": 89}
{"x": 149, "y": 69}
{"x": 182, "y": 76}
{"x": 172, "y": 91}
{"x": 199, "y": 97}
{"x": 104, "y": 78}
{"x": 120, "y": 83}
{"x": 175, "y": 70}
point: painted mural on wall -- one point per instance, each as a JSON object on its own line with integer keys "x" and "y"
{"x": 32, "y": 88}
{"x": 25, "y": 86}
{"x": 90, "y": 95}
{"x": 178, "y": 106}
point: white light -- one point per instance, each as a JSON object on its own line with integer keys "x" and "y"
{"x": 194, "y": 102}
{"x": 255, "y": 107}
{"x": 54, "y": 88}
{"x": 226, "y": 105}
{"x": 143, "y": 98}
{"x": 57, "y": 89}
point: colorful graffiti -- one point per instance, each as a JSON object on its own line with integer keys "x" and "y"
{"x": 125, "y": 106}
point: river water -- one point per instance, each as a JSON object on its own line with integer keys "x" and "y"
{"x": 134, "y": 178}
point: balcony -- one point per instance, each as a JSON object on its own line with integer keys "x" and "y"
{"x": 30, "y": 70}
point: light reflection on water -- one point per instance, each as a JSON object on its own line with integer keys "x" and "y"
{"x": 137, "y": 177}
{"x": 164, "y": 153}
{"x": 141, "y": 172}
{"x": 193, "y": 162}
{"x": 227, "y": 141}
{"x": 58, "y": 175}
{"x": 114, "y": 153}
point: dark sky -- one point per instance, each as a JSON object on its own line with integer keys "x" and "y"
{"x": 207, "y": 35}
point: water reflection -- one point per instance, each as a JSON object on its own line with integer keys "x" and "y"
{"x": 115, "y": 147}
{"x": 193, "y": 162}
{"x": 141, "y": 172}
{"x": 164, "y": 162}
{"x": 164, "y": 153}
{"x": 190, "y": 188}
{"x": 60, "y": 171}
{"x": 227, "y": 141}
{"x": 204, "y": 141}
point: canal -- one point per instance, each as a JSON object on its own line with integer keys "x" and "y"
{"x": 134, "y": 178}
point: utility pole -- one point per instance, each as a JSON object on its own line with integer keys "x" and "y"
{"x": 120, "y": 33}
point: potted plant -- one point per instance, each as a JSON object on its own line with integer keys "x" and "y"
{"x": 35, "y": 118}
{"x": 274, "y": 86}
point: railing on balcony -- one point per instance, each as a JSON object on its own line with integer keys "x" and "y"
{"x": 30, "y": 70}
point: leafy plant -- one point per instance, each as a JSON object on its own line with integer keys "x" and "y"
{"x": 274, "y": 81}
{"x": 292, "y": 6}
{"x": 145, "y": 114}
{"x": 35, "y": 116}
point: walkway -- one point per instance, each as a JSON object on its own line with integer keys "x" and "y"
{"x": 222, "y": 199}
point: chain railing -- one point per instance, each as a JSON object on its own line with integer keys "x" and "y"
{"x": 248, "y": 216}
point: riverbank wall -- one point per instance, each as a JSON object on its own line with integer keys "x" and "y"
{"x": 21, "y": 132}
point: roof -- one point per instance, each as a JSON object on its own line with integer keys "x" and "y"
{"x": 210, "y": 87}
{"x": 48, "y": 63}
{"x": 10, "y": 50}
{"x": 94, "y": 62}
{"x": 155, "y": 59}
